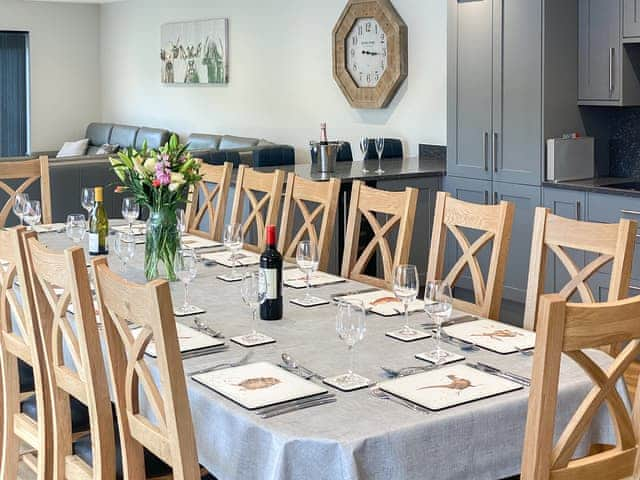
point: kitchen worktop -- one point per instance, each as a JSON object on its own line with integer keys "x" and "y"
{"x": 597, "y": 185}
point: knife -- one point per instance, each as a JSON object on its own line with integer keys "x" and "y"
{"x": 292, "y": 403}
{"x": 357, "y": 292}
{"x": 502, "y": 373}
{"x": 299, "y": 407}
{"x": 453, "y": 321}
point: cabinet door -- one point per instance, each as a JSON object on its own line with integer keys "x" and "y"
{"x": 631, "y": 18}
{"x": 516, "y": 145}
{"x": 470, "y": 88}
{"x": 599, "y": 50}
{"x": 526, "y": 199}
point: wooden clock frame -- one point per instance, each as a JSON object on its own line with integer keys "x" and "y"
{"x": 397, "y": 53}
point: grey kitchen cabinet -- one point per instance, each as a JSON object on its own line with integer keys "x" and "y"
{"x": 631, "y": 19}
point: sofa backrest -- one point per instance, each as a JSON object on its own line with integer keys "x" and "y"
{"x": 230, "y": 142}
{"x": 123, "y": 135}
{"x": 155, "y": 137}
{"x": 203, "y": 141}
{"x": 98, "y": 134}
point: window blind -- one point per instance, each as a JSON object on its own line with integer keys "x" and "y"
{"x": 13, "y": 93}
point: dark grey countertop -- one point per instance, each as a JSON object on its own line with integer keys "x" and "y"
{"x": 597, "y": 185}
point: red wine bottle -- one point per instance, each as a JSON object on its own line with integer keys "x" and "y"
{"x": 324, "y": 140}
{"x": 271, "y": 271}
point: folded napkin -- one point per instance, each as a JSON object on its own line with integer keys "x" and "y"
{"x": 51, "y": 227}
{"x": 243, "y": 258}
{"x": 383, "y": 302}
{"x": 190, "y": 340}
{"x": 294, "y": 278}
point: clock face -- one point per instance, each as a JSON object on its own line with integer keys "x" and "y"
{"x": 366, "y": 49}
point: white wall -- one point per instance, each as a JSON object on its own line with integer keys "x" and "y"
{"x": 64, "y": 64}
{"x": 281, "y": 84}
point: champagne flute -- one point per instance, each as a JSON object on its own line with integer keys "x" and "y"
{"x": 88, "y": 199}
{"x": 307, "y": 259}
{"x": 254, "y": 293}
{"x": 379, "y": 150}
{"x": 32, "y": 213}
{"x": 186, "y": 266}
{"x": 405, "y": 287}
{"x": 20, "y": 205}
{"x": 76, "y": 227}
{"x": 125, "y": 247}
{"x": 130, "y": 211}
{"x": 364, "y": 148}
{"x": 438, "y": 304}
{"x": 350, "y": 327}
{"x": 182, "y": 223}
{"x": 232, "y": 239}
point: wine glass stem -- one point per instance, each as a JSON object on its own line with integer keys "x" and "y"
{"x": 186, "y": 296}
{"x": 233, "y": 265}
{"x": 379, "y": 162}
{"x": 406, "y": 316}
{"x": 253, "y": 321}
{"x": 351, "y": 355}
{"x": 438, "y": 337}
{"x": 308, "y": 274}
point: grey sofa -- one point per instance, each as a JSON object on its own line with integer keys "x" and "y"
{"x": 124, "y": 136}
{"x": 217, "y": 149}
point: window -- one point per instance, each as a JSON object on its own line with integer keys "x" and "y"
{"x": 14, "y": 120}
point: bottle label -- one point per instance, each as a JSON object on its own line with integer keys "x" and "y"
{"x": 270, "y": 276}
{"x": 94, "y": 243}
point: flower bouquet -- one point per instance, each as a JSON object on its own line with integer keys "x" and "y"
{"x": 159, "y": 180}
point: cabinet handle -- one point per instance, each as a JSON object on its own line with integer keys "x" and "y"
{"x": 495, "y": 152}
{"x": 495, "y": 198}
{"x": 486, "y": 197}
{"x": 485, "y": 142}
{"x": 578, "y": 210}
{"x": 630, "y": 212}
{"x": 612, "y": 52}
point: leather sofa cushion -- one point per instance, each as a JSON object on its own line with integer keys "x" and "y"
{"x": 98, "y": 133}
{"x": 93, "y": 150}
{"x": 123, "y": 135}
{"x": 201, "y": 141}
{"x": 229, "y": 142}
{"x": 155, "y": 137}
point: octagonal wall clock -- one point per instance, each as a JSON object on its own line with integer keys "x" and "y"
{"x": 370, "y": 53}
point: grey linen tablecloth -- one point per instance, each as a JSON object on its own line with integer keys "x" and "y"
{"x": 358, "y": 437}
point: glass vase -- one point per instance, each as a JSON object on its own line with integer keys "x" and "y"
{"x": 163, "y": 239}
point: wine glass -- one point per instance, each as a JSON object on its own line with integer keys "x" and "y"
{"x": 405, "y": 287}
{"x": 88, "y": 199}
{"x": 364, "y": 148}
{"x": 438, "y": 304}
{"x": 20, "y": 205}
{"x": 125, "y": 247}
{"x": 350, "y": 327}
{"x": 182, "y": 222}
{"x": 76, "y": 227}
{"x": 32, "y": 213}
{"x": 254, "y": 293}
{"x": 186, "y": 266}
{"x": 379, "y": 150}
{"x": 307, "y": 259}
{"x": 232, "y": 239}
{"x": 130, "y": 211}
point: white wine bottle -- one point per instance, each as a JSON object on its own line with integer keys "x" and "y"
{"x": 98, "y": 226}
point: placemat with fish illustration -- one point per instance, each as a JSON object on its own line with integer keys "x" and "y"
{"x": 259, "y": 385}
{"x": 189, "y": 340}
{"x": 244, "y": 258}
{"x": 448, "y": 387}
{"x": 495, "y": 336}
{"x": 384, "y": 303}
{"x": 193, "y": 241}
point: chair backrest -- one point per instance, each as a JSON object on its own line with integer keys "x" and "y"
{"x": 613, "y": 243}
{"x": 208, "y": 201}
{"x": 317, "y": 203}
{"x": 495, "y": 222}
{"x": 373, "y": 205}
{"x": 392, "y": 149}
{"x": 570, "y": 329}
{"x": 21, "y": 340}
{"x": 29, "y": 171}
{"x": 264, "y": 194}
{"x": 61, "y": 279}
{"x": 166, "y": 429}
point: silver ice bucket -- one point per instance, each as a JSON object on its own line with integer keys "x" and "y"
{"x": 325, "y": 155}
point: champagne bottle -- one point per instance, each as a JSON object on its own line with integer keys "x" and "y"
{"x": 323, "y": 134}
{"x": 271, "y": 271}
{"x": 98, "y": 226}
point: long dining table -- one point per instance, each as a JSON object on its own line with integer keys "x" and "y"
{"x": 359, "y": 436}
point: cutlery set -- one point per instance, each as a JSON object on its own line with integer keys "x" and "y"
{"x": 220, "y": 366}
{"x": 204, "y": 351}
{"x": 505, "y": 374}
{"x": 295, "y": 405}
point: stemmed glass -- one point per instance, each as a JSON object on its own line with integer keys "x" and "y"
{"x": 88, "y": 199}
{"x": 233, "y": 241}
{"x": 438, "y": 304}
{"x": 350, "y": 326}
{"x": 182, "y": 223}
{"x": 379, "y": 150}
{"x": 186, "y": 266}
{"x": 307, "y": 259}
{"x": 405, "y": 287}
{"x": 20, "y": 205}
{"x": 76, "y": 227}
{"x": 130, "y": 211}
{"x": 254, "y": 293}
{"x": 364, "y": 148}
{"x": 125, "y": 247}
{"x": 32, "y": 213}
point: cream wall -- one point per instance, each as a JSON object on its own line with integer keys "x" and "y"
{"x": 64, "y": 64}
{"x": 281, "y": 85}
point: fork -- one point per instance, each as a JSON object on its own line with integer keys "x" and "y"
{"x": 204, "y": 328}
{"x": 377, "y": 392}
{"x": 219, "y": 366}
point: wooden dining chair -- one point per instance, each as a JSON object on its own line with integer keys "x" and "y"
{"x": 20, "y": 341}
{"x": 570, "y": 329}
{"x": 376, "y": 206}
{"x": 317, "y": 204}
{"x": 166, "y": 430}
{"x": 61, "y": 279}
{"x": 495, "y": 223}
{"x": 208, "y": 201}
{"x": 264, "y": 194}
{"x": 29, "y": 171}
{"x": 612, "y": 244}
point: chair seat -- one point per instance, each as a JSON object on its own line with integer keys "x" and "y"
{"x": 79, "y": 413}
{"x": 27, "y": 383}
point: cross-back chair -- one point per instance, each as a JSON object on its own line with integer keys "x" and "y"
{"x": 208, "y": 201}
{"x": 59, "y": 279}
{"x": 495, "y": 221}
{"x": 613, "y": 243}
{"x": 317, "y": 203}
{"x": 372, "y": 205}
{"x": 166, "y": 430}
{"x": 29, "y": 171}
{"x": 262, "y": 211}
{"x": 570, "y": 329}
{"x": 20, "y": 340}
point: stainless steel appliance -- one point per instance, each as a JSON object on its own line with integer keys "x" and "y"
{"x": 570, "y": 159}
